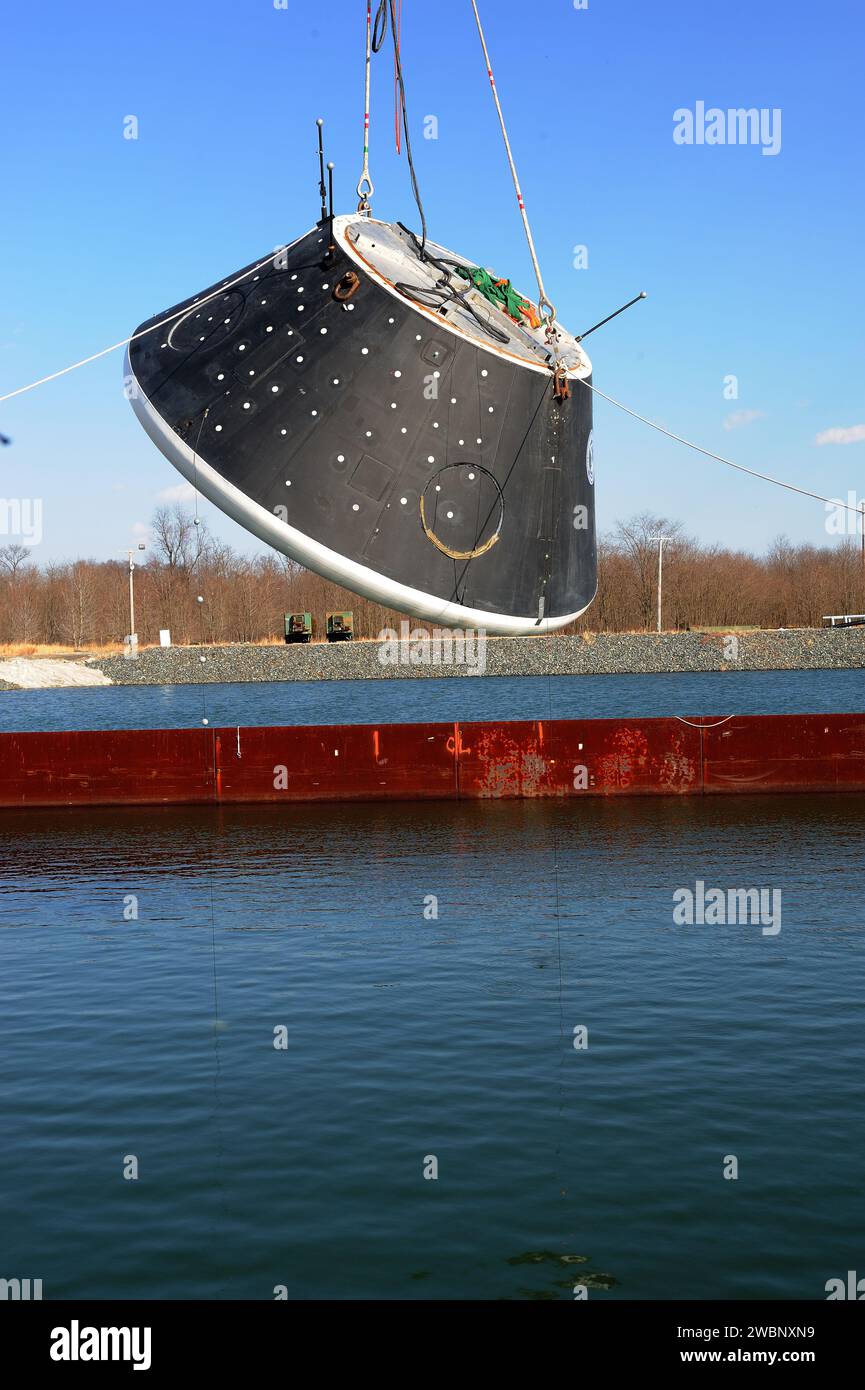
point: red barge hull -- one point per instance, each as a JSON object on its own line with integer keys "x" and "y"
{"x": 418, "y": 762}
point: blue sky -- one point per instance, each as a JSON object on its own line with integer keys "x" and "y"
{"x": 752, "y": 262}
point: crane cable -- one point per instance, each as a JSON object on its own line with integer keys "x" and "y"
{"x": 396, "y": 104}
{"x": 376, "y": 33}
{"x": 395, "y": 30}
{"x": 543, "y": 301}
{"x": 178, "y": 313}
{"x": 644, "y": 420}
{"x": 365, "y": 187}
{"x": 374, "y": 42}
{"x": 719, "y": 458}
{"x": 678, "y": 438}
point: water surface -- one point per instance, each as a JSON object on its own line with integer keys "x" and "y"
{"x": 411, "y": 1036}
{"x": 453, "y": 698}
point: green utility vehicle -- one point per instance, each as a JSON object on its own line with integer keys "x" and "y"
{"x": 298, "y": 627}
{"x": 340, "y": 627}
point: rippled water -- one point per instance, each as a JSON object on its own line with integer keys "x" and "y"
{"x": 409, "y": 1037}
{"x": 411, "y": 701}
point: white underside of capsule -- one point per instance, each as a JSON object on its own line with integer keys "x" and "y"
{"x": 315, "y": 556}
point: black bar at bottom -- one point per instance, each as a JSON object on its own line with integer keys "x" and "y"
{"x": 232, "y": 1338}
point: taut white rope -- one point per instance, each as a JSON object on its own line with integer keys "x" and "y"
{"x": 52, "y": 376}
{"x": 679, "y": 439}
{"x": 719, "y": 458}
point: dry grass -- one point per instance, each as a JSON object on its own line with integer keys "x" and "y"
{"x": 9, "y": 650}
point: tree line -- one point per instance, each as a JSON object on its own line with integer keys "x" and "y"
{"x": 204, "y": 591}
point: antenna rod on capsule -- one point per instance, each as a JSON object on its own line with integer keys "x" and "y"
{"x": 635, "y": 300}
{"x": 321, "y": 190}
{"x": 331, "y": 248}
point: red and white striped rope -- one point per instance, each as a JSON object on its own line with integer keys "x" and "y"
{"x": 365, "y": 187}
{"x": 543, "y": 301}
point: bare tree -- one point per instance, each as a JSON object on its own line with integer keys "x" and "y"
{"x": 79, "y": 595}
{"x": 245, "y": 596}
{"x": 178, "y": 540}
{"x": 13, "y": 558}
{"x": 634, "y": 539}
{"x": 180, "y": 548}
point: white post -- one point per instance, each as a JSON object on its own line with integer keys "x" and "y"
{"x": 660, "y": 540}
{"x": 131, "y": 598}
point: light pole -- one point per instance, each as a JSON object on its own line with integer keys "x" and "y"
{"x": 130, "y": 553}
{"x": 660, "y": 540}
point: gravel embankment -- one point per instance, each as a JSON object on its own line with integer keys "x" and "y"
{"x": 606, "y": 654}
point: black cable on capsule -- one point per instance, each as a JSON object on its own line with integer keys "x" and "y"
{"x": 386, "y": 11}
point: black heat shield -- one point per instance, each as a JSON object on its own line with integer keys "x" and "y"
{"x": 336, "y": 416}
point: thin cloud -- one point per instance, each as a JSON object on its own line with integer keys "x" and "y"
{"x": 740, "y": 418}
{"x": 181, "y": 492}
{"x": 839, "y": 435}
